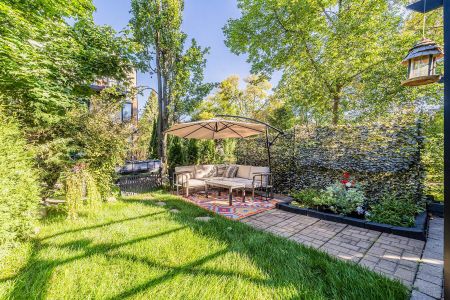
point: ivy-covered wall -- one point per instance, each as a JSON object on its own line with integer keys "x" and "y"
{"x": 383, "y": 158}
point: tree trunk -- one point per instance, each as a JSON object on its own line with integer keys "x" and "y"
{"x": 336, "y": 100}
{"x": 161, "y": 111}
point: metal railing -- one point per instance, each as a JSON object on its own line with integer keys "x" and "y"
{"x": 140, "y": 166}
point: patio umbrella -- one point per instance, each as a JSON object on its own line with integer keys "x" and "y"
{"x": 215, "y": 129}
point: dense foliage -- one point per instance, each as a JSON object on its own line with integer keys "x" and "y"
{"x": 50, "y": 52}
{"x": 98, "y": 140}
{"x": 433, "y": 155}
{"x": 19, "y": 187}
{"x": 395, "y": 210}
{"x": 336, "y": 198}
{"x": 379, "y": 156}
{"x": 335, "y": 57}
{"x": 191, "y": 152}
{"x": 145, "y": 145}
{"x": 81, "y": 192}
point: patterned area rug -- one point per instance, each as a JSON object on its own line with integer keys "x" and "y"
{"x": 239, "y": 210}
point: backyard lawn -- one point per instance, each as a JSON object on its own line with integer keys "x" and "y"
{"x": 137, "y": 249}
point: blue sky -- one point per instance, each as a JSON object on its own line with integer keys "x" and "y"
{"x": 202, "y": 20}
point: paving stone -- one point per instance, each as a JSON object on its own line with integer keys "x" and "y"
{"x": 405, "y": 274}
{"x": 430, "y": 269}
{"x": 161, "y": 203}
{"x": 416, "y": 295}
{"x": 387, "y": 265}
{"x": 368, "y": 264}
{"x": 430, "y": 278}
{"x": 428, "y": 288}
{"x": 388, "y": 254}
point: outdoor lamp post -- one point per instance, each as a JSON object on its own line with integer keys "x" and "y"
{"x": 421, "y": 62}
{"x": 424, "y": 6}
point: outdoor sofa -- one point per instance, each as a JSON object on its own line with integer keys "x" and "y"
{"x": 193, "y": 177}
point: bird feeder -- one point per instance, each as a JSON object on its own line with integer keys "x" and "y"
{"x": 421, "y": 62}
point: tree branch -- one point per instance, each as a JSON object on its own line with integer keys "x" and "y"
{"x": 307, "y": 50}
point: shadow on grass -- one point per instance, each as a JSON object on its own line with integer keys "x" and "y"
{"x": 285, "y": 264}
{"x": 100, "y": 225}
{"x": 38, "y": 271}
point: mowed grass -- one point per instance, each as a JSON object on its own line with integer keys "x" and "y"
{"x": 135, "y": 249}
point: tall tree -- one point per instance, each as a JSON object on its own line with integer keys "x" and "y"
{"x": 143, "y": 147}
{"x": 156, "y": 25}
{"x": 251, "y": 101}
{"x": 336, "y": 55}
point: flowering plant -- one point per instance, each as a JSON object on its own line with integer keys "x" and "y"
{"x": 347, "y": 181}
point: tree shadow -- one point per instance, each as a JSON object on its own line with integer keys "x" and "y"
{"x": 169, "y": 274}
{"x": 101, "y": 225}
{"x": 314, "y": 274}
{"x": 34, "y": 278}
{"x": 311, "y": 273}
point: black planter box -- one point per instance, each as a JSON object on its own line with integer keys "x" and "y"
{"x": 436, "y": 209}
{"x": 417, "y": 232}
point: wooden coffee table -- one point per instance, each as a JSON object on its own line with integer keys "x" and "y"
{"x": 226, "y": 185}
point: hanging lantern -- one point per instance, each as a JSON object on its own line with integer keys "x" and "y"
{"x": 421, "y": 62}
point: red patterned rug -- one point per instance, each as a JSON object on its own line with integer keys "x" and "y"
{"x": 239, "y": 209}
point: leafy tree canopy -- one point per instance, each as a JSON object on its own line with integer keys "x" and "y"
{"x": 251, "y": 101}
{"x": 336, "y": 57}
{"x": 47, "y": 64}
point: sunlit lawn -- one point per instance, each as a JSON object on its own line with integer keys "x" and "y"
{"x": 136, "y": 249}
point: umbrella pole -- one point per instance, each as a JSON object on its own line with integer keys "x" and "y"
{"x": 268, "y": 148}
{"x": 268, "y": 145}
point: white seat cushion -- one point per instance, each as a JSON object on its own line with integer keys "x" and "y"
{"x": 204, "y": 171}
{"x": 182, "y": 178}
{"x": 196, "y": 182}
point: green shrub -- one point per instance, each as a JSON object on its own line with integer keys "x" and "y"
{"x": 19, "y": 188}
{"x": 81, "y": 192}
{"x": 433, "y": 155}
{"x": 394, "y": 211}
{"x": 306, "y": 197}
{"x": 340, "y": 200}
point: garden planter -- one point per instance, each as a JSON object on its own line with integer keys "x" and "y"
{"x": 436, "y": 209}
{"x": 417, "y": 232}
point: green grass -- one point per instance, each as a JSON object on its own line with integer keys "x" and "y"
{"x": 138, "y": 250}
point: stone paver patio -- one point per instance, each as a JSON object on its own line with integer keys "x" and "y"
{"x": 417, "y": 265}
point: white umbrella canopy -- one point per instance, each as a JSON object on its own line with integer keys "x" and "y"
{"x": 216, "y": 129}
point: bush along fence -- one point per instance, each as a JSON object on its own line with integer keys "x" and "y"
{"x": 383, "y": 158}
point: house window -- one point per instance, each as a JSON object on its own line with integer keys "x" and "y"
{"x": 127, "y": 112}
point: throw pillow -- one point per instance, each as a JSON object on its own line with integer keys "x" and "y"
{"x": 220, "y": 170}
{"x": 231, "y": 171}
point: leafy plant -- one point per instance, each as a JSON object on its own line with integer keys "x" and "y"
{"x": 81, "y": 192}
{"x": 19, "y": 188}
{"x": 306, "y": 197}
{"x": 341, "y": 200}
{"x": 433, "y": 155}
{"x": 394, "y": 210}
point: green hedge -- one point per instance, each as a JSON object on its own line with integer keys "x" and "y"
{"x": 19, "y": 188}
{"x": 433, "y": 155}
{"x": 382, "y": 157}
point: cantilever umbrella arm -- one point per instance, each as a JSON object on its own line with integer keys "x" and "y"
{"x": 279, "y": 132}
{"x": 268, "y": 142}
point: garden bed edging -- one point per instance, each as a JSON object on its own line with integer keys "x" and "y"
{"x": 418, "y": 232}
